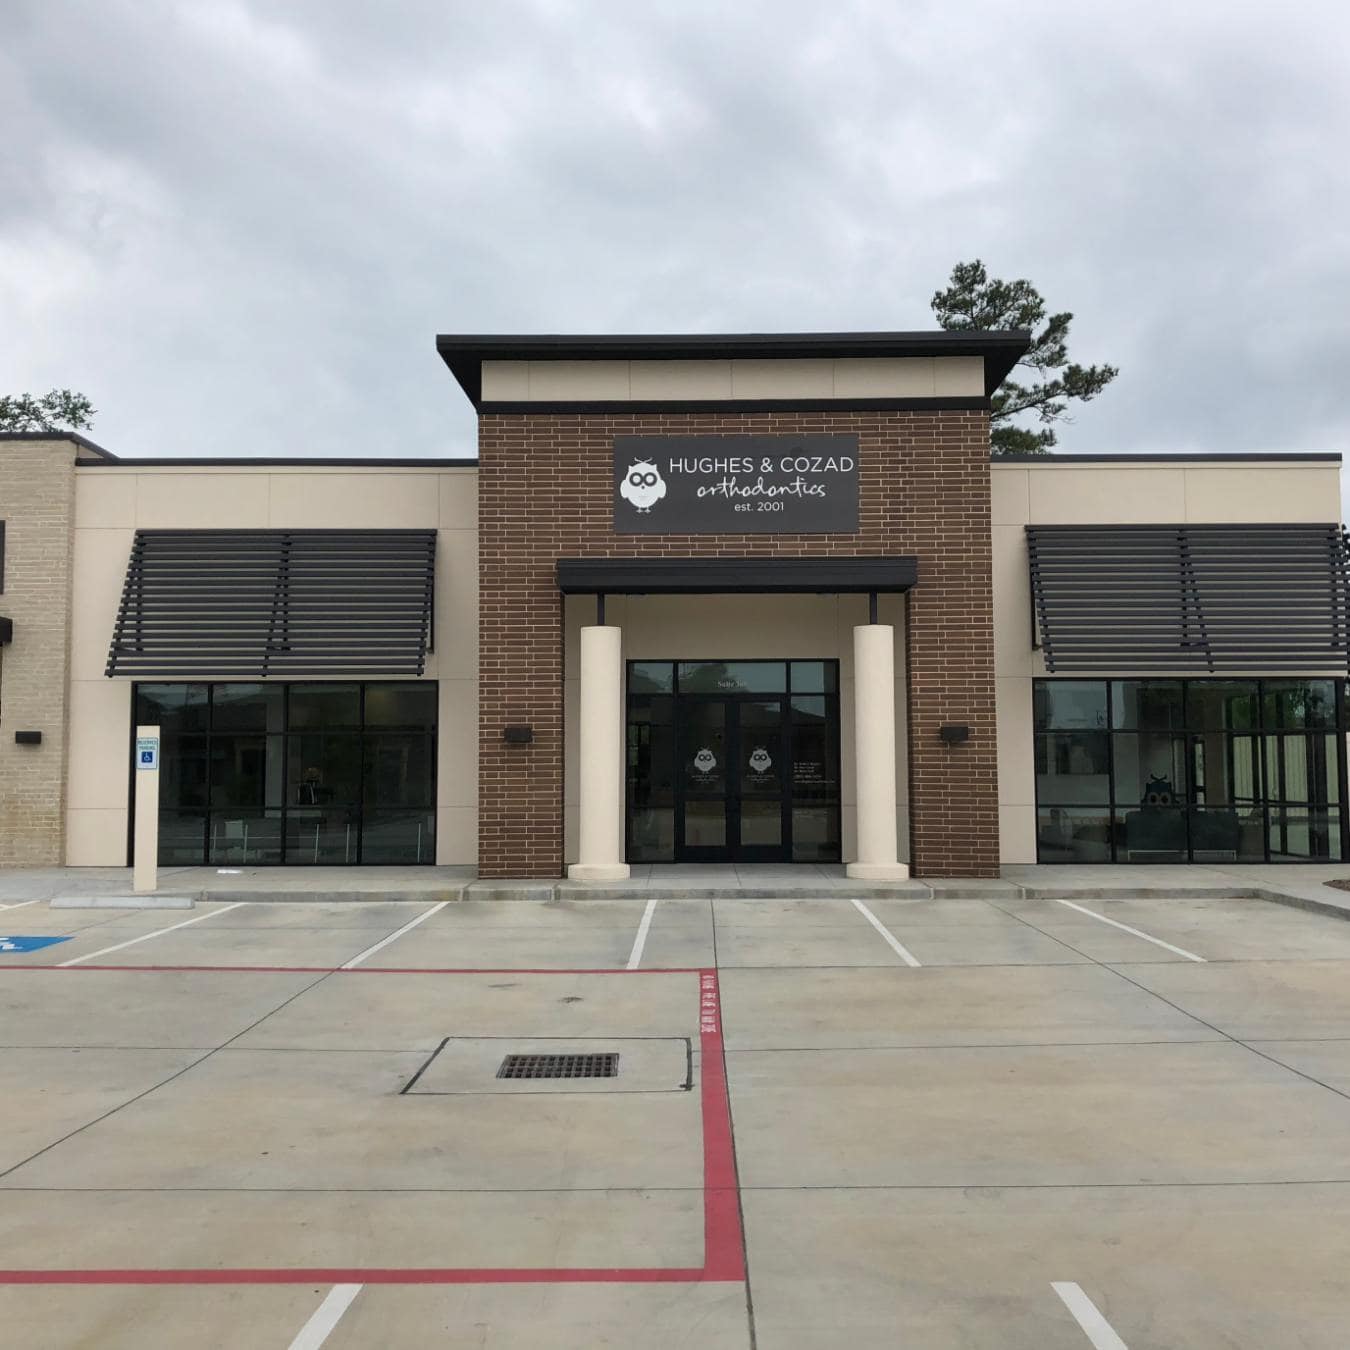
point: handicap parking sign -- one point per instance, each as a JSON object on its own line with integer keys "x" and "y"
{"x": 147, "y": 752}
{"x": 28, "y": 944}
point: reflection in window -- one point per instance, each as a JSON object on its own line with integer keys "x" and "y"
{"x": 174, "y": 708}
{"x": 1072, "y": 766}
{"x": 651, "y": 677}
{"x": 651, "y": 777}
{"x": 1139, "y": 705}
{"x": 1291, "y": 705}
{"x": 1215, "y": 770}
{"x": 263, "y": 774}
{"x": 733, "y": 677}
{"x": 1221, "y": 705}
{"x": 814, "y": 677}
{"x": 1073, "y": 834}
{"x": 1067, "y": 705}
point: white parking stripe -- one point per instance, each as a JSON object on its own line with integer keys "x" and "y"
{"x": 1124, "y": 927}
{"x": 639, "y": 942}
{"x": 19, "y": 904}
{"x": 145, "y": 937}
{"x": 1097, "y": 1329}
{"x": 326, "y": 1316}
{"x": 384, "y": 942}
{"x": 901, "y": 951}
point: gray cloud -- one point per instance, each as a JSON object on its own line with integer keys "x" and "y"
{"x": 238, "y": 225}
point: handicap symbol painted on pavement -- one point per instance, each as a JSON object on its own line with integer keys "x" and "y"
{"x": 28, "y": 944}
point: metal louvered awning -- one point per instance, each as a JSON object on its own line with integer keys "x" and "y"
{"x": 254, "y": 603}
{"x": 1191, "y": 598}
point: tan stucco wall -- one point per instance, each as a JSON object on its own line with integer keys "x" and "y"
{"x": 37, "y": 497}
{"x": 1113, "y": 493}
{"x": 672, "y": 381}
{"x": 112, "y": 503}
{"x": 745, "y": 627}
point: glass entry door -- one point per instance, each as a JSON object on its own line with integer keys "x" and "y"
{"x": 730, "y": 798}
{"x": 703, "y": 782}
{"x": 733, "y": 761}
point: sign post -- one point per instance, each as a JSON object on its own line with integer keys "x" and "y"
{"x": 145, "y": 850}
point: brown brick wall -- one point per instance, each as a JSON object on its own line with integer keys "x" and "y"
{"x": 37, "y": 504}
{"x": 545, "y": 491}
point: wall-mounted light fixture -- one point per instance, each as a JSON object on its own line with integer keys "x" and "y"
{"x": 6, "y": 631}
{"x": 27, "y": 738}
{"x": 953, "y": 734}
{"x": 517, "y": 735}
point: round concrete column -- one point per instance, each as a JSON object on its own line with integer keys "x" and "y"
{"x": 874, "y": 754}
{"x": 600, "y": 757}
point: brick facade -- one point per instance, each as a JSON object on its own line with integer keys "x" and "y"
{"x": 37, "y": 504}
{"x": 545, "y": 491}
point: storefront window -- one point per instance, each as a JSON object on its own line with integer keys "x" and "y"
{"x": 1073, "y": 834}
{"x": 1146, "y": 705}
{"x": 815, "y": 677}
{"x": 1068, "y": 705}
{"x": 1191, "y": 770}
{"x": 264, "y": 774}
{"x": 651, "y": 677}
{"x": 651, "y": 774}
{"x": 1292, "y": 705}
{"x": 1072, "y": 766}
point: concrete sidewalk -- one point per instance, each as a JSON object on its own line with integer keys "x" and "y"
{"x": 1302, "y": 886}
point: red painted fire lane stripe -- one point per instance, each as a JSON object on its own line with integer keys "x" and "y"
{"x": 367, "y": 970}
{"x": 363, "y": 1275}
{"x": 723, "y": 1252}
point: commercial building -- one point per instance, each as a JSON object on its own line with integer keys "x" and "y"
{"x": 699, "y": 599}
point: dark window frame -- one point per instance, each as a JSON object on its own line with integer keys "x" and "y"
{"x": 361, "y": 733}
{"x": 1264, "y": 801}
{"x": 786, "y": 694}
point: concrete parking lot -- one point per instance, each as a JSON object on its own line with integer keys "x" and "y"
{"x": 1014, "y": 1124}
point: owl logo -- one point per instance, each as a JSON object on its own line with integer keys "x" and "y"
{"x": 642, "y": 486}
{"x": 759, "y": 760}
{"x": 705, "y": 761}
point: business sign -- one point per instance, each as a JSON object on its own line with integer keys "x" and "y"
{"x": 736, "y": 484}
{"x": 147, "y": 752}
{"x": 28, "y": 944}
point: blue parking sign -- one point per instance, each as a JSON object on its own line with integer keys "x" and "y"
{"x": 28, "y": 944}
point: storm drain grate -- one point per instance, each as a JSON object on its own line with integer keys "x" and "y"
{"x": 559, "y": 1066}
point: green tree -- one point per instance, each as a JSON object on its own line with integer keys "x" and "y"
{"x": 974, "y": 301}
{"x": 56, "y": 410}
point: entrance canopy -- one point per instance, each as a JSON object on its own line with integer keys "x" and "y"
{"x": 720, "y": 576}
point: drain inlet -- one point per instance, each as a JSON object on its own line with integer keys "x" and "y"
{"x": 559, "y": 1066}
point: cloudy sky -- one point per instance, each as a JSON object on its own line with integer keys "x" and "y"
{"x": 237, "y": 225}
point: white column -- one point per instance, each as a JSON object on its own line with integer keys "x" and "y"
{"x": 874, "y": 754}
{"x": 145, "y": 845}
{"x": 600, "y": 751}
